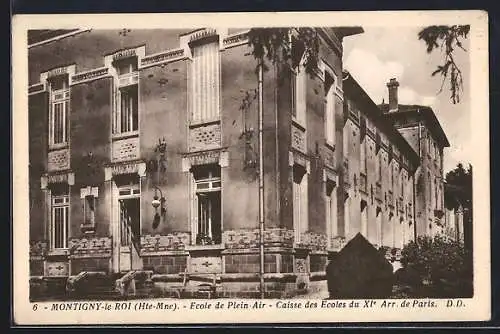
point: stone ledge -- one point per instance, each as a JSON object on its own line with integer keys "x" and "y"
{"x": 151, "y": 253}
{"x": 200, "y": 248}
{"x": 269, "y": 250}
{"x": 250, "y": 277}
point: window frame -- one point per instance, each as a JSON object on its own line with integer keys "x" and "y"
{"x": 214, "y": 186}
{"x": 89, "y": 197}
{"x": 330, "y": 109}
{"x": 54, "y": 207}
{"x": 299, "y": 83}
{"x": 59, "y": 97}
{"x": 127, "y": 192}
{"x": 300, "y": 193}
{"x": 331, "y": 210}
{"x": 199, "y": 91}
{"x": 126, "y": 84}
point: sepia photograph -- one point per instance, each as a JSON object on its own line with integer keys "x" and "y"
{"x": 261, "y": 167}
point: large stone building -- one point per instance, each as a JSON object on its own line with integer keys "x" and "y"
{"x": 144, "y": 157}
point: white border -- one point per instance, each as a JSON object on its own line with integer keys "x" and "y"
{"x": 477, "y": 308}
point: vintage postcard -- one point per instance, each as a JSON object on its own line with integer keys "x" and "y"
{"x": 251, "y": 168}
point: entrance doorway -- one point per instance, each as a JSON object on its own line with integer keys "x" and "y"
{"x": 129, "y": 226}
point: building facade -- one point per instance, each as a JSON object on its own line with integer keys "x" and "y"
{"x": 144, "y": 157}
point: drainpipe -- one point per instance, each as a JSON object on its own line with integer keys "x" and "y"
{"x": 414, "y": 208}
{"x": 261, "y": 180}
{"x": 414, "y": 179}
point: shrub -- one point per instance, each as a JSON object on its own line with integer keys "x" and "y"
{"x": 437, "y": 267}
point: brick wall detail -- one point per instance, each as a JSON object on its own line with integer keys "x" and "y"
{"x": 176, "y": 241}
{"x": 90, "y": 247}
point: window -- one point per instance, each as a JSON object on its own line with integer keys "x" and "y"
{"x": 402, "y": 181}
{"x": 429, "y": 145}
{"x": 391, "y": 170}
{"x": 379, "y": 166}
{"x": 129, "y": 116}
{"x": 130, "y": 221}
{"x": 345, "y": 140}
{"x": 208, "y": 197}
{"x": 89, "y": 199}
{"x": 331, "y": 209}
{"x": 126, "y": 66}
{"x": 362, "y": 159}
{"x": 364, "y": 218}
{"x": 299, "y": 95}
{"x": 126, "y": 111}
{"x": 431, "y": 186}
{"x": 300, "y": 206}
{"x": 205, "y": 82}
{"x": 59, "y": 111}
{"x": 60, "y": 218}
{"x": 436, "y": 194}
{"x": 89, "y": 210}
{"x": 330, "y": 109}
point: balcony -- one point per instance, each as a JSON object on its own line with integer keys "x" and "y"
{"x": 390, "y": 198}
{"x": 363, "y": 183}
{"x": 329, "y": 156}
{"x": 125, "y": 149}
{"x": 298, "y": 138}
{"x": 205, "y": 137}
{"x": 345, "y": 170}
{"x": 401, "y": 205}
{"x": 58, "y": 160}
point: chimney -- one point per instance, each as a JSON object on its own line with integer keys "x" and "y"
{"x": 393, "y": 85}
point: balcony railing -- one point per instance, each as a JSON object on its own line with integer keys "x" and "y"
{"x": 390, "y": 198}
{"x": 337, "y": 243}
{"x": 298, "y": 138}
{"x": 401, "y": 205}
{"x": 345, "y": 169}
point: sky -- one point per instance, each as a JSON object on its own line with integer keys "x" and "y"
{"x": 380, "y": 54}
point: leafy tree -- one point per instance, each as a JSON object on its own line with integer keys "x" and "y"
{"x": 460, "y": 179}
{"x": 286, "y": 46}
{"x": 458, "y": 192}
{"x": 447, "y": 39}
{"x": 437, "y": 268}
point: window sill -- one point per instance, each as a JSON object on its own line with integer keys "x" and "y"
{"x": 53, "y": 147}
{"x": 330, "y": 145}
{"x": 87, "y": 228}
{"x": 125, "y": 135}
{"x": 197, "y": 123}
{"x": 298, "y": 123}
{"x": 58, "y": 252}
{"x": 204, "y": 247}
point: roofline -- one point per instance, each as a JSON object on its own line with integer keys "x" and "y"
{"x": 56, "y": 38}
{"x": 428, "y": 113}
{"x": 386, "y": 126}
{"x": 349, "y": 31}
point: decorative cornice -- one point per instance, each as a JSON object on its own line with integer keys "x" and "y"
{"x": 163, "y": 57}
{"x": 129, "y": 167}
{"x": 234, "y": 40}
{"x": 36, "y": 88}
{"x": 332, "y": 42}
{"x": 91, "y": 75}
{"x": 61, "y": 70}
{"x": 56, "y": 38}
